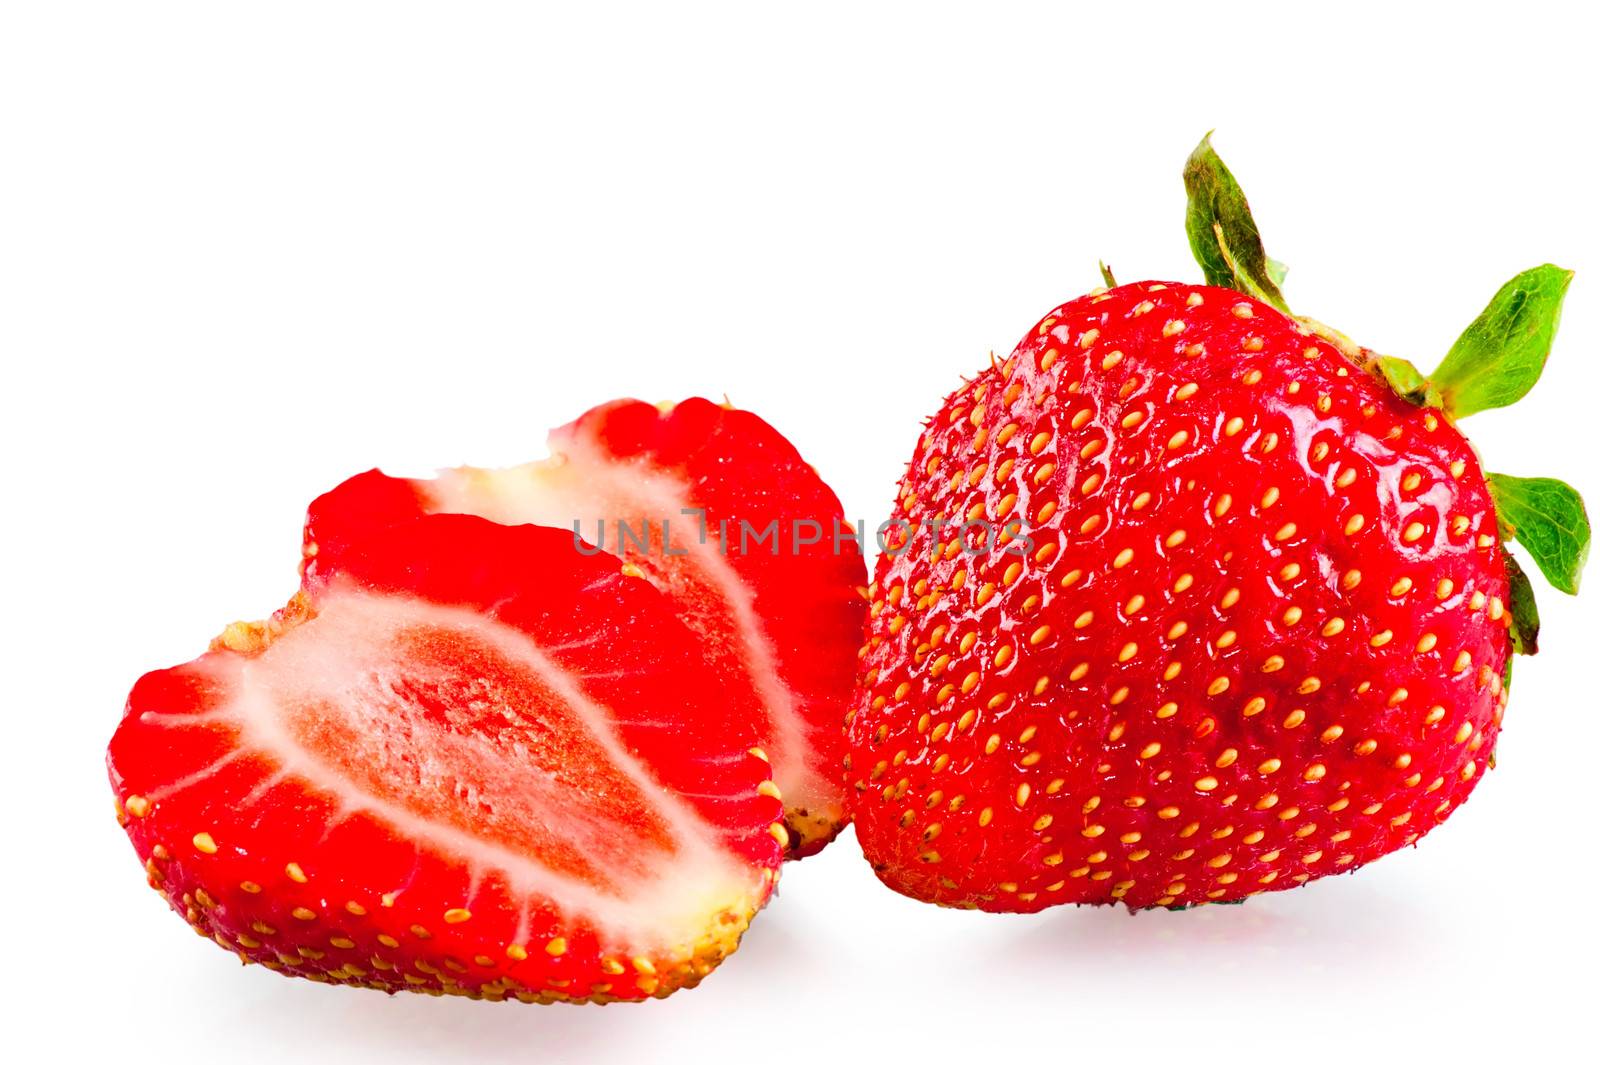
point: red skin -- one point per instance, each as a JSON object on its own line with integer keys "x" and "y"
{"x": 737, "y": 468}
{"x": 362, "y": 887}
{"x": 1300, "y": 722}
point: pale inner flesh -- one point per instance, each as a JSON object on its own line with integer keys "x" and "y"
{"x": 469, "y": 739}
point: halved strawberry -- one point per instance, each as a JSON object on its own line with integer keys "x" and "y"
{"x": 714, "y": 507}
{"x": 466, "y": 759}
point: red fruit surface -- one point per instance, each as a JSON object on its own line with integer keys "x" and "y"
{"x": 1251, "y": 630}
{"x": 779, "y": 619}
{"x": 464, "y": 760}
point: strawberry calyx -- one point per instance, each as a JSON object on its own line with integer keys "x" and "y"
{"x": 1223, "y": 233}
{"x": 1494, "y": 363}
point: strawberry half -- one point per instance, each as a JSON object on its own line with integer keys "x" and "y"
{"x": 1246, "y": 618}
{"x": 466, "y": 760}
{"x": 715, "y": 508}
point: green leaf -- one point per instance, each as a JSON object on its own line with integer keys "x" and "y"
{"x": 1503, "y": 351}
{"x": 1222, "y": 234}
{"x": 1524, "y": 611}
{"x": 1547, "y": 517}
{"x": 1106, "y": 274}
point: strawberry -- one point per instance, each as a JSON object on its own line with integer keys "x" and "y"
{"x": 1246, "y": 616}
{"x": 446, "y": 767}
{"x": 714, "y": 507}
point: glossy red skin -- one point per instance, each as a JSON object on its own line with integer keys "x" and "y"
{"x": 1346, "y": 757}
{"x": 737, "y": 468}
{"x": 371, "y": 902}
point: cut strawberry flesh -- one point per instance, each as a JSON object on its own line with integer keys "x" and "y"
{"x": 703, "y": 502}
{"x": 441, "y": 715}
{"x": 467, "y": 729}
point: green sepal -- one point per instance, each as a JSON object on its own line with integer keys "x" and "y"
{"x": 1222, "y": 234}
{"x": 1501, "y": 354}
{"x": 1407, "y": 381}
{"x": 1524, "y": 612}
{"x": 1547, "y": 517}
{"x": 1107, "y": 276}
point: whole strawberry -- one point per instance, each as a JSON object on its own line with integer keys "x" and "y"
{"x": 1189, "y": 599}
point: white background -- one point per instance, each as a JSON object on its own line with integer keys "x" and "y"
{"x": 246, "y": 251}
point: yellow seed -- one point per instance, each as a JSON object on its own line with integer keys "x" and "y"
{"x": 204, "y": 843}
